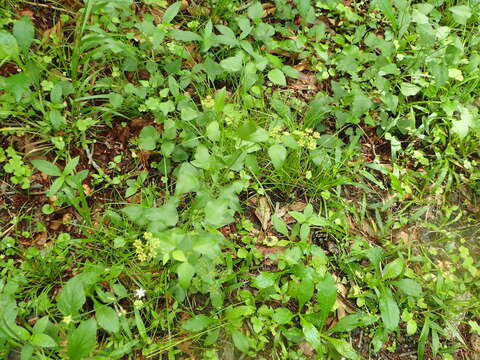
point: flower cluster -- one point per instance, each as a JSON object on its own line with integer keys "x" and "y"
{"x": 148, "y": 250}
{"x": 304, "y": 138}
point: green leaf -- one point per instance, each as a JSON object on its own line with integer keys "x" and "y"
{"x": 197, "y": 323}
{"x": 265, "y": 280}
{"x": 282, "y": 316}
{"x": 311, "y": 334}
{"x": 107, "y": 318}
{"x": 81, "y": 341}
{"x": 352, "y": 321}
{"x": 71, "y": 297}
{"x": 187, "y": 179}
{"x": 386, "y": 7}
{"x": 8, "y": 46}
{"x": 327, "y": 295}
{"x": 279, "y": 225}
{"x": 388, "y": 309}
{"x": 393, "y": 269}
{"x": 56, "y": 118}
{"x": 409, "y": 287}
{"x": 24, "y": 32}
{"x": 47, "y": 167}
{"x": 277, "y": 77}
{"x": 255, "y": 11}
{"x": 344, "y": 348}
{"x": 171, "y": 12}
{"x": 462, "y": 127}
{"x": 42, "y": 340}
{"x": 148, "y": 138}
{"x": 305, "y": 291}
{"x": 181, "y": 35}
{"x": 278, "y": 154}
{"x": 409, "y": 89}
{"x": 217, "y": 213}
{"x": 241, "y": 341}
{"x": 233, "y": 63}
{"x": 461, "y": 13}
{"x": 185, "y": 273}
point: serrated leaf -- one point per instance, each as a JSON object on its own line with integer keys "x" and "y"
{"x": 107, "y": 318}
{"x": 24, "y": 32}
{"x": 197, "y": 323}
{"x": 389, "y": 310}
{"x": 81, "y": 341}
{"x": 171, "y": 12}
{"x": 277, "y": 77}
{"x": 47, "y": 167}
{"x": 278, "y": 154}
{"x": 71, "y": 297}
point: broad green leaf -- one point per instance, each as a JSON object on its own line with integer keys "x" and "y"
{"x": 148, "y": 138}
{"x": 24, "y": 32}
{"x": 187, "y": 179}
{"x": 47, "y": 167}
{"x": 56, "y": 119}
{"x": 171, "y": 12}
{"x": 241, "y": 341}
{"x": 352, "y": 321}
{"x": 185, "y": 273}
{"x": 81, "y": 341}
{"x": 71, "y": 297}
{"x": 42, "y": 340}
{"x": 327, "y": 295}
{"x": 279, "y": 225}
{"x": 304, "y": 291}
{"x": 393, "y": 269}
{"x": 344, "y": 348}
{"x": 311, "y": 334}
{"x": 181, "y": 35}
{"x": 8, "y": 46}
{"x": 409, "y": 287}
{"x": 255, "y": 11}
{"x": 388, "y": 309}
{"x": 197, "y": 323}
{"x": 386, "y": 7}
{"x": 265, "y": 280}
{"x": 107, "y": 318}
{"x": 233, "y": 63}
{"x": 461, "y": 127}
{"x": 277, "y": 77}
{"x": 278, "y": 154}
{"x": 461, "y": 13}
{"x": 282, "y": 316}
{"x": 217, "y": 213}
{"x": 409, "y": 89}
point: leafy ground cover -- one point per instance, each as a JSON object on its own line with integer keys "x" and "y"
{"x": 291, "y": 179}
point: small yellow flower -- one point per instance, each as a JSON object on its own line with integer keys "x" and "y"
{"x": 67, "y": 319}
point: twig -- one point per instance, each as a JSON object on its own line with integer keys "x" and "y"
{"x": 50, "y": 7}
{"x": 90, "y": 159}
{"x": 241, "y": 8}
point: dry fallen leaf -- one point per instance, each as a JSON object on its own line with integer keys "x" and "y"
{"x": 263, "y": 212}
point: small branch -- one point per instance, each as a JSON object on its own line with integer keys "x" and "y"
{"x": 49, "y": 7}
